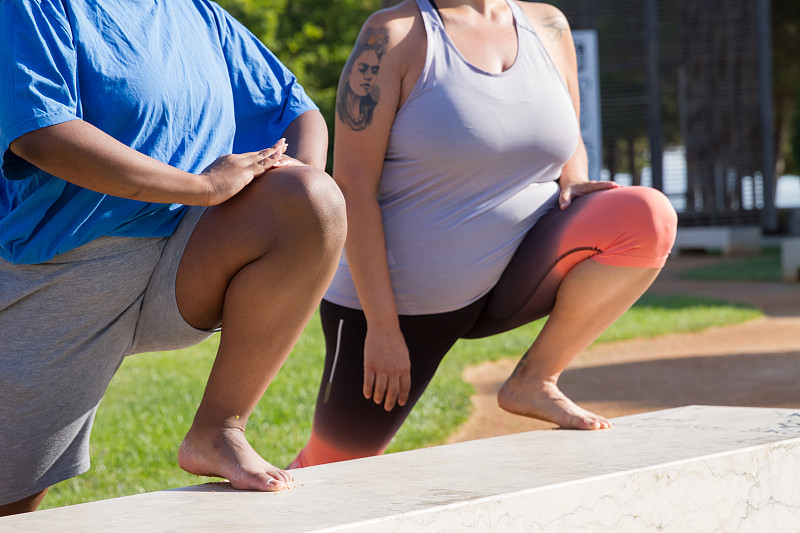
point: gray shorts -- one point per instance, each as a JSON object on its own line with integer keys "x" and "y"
{"x": 65, "y": 327}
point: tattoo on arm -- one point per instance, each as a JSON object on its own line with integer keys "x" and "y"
{"x": 358, "y": 92}
{"x": 557, "y": 25}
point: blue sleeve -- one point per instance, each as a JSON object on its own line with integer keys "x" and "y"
{"x": 267, "y": 96}
{"x": 38, "y": 84}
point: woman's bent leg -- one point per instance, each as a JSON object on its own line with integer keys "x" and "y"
{"x": 584, "y": 266}
{"x": 591, "y": 297}
{"x": 349, "y": 426}
{"x": 258, "y": 265}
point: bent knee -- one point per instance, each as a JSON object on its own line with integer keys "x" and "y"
{"x": 639, "y": 226}
{"x": 306, "y": 200}
{"x": 651, "y": 211}
{"x": 306, "y": 188}
{"x": 648, "y": 205}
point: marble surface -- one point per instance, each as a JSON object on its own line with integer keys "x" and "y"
{"x": 696, "y": 468}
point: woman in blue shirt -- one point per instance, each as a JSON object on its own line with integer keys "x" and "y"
{"x": 161, "y": 179}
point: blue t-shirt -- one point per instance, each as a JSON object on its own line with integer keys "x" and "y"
{"x": 178, "y": 80}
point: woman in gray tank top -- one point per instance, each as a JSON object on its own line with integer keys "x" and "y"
{"x": 470, "y": 212}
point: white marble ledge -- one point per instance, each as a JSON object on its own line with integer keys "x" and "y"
{"x": 697, "y": 468}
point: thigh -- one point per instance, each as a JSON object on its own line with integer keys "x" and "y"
{"x": 343, "y": 418}
{"x": 285, "y": 208}
{"x": 161, "y": 325}
{"x": 66, "y": 326}
{"x": 629, "y": 226}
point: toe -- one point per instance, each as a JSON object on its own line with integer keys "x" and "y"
{"x": 600, "y": 423}
{"x": 284, "y": 476}
{"x": 591, "y": 423}
{"x": 273, "y": 483}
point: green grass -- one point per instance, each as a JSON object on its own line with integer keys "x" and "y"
{"x": 764, "y": 267}
{"x": 150, "y": 402}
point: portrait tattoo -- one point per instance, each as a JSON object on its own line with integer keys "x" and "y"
{"x": 558, "y": 25}
{"x": 358, "y": 88}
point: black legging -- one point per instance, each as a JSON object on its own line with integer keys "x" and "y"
{"x": 632, "y": 226}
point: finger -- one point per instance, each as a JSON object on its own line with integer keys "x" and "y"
{"x": 273, "y": 151}
{"x": 603, "y": 185}
{"x": 392, "y": 389}
{"x": 592, "y": 186}
{"x": 405, "y": 388}
{"x": 286, "y": 161}
{"x": 280, "y": 144}
{"x": 369, "y": 382}
{"x": 270, "y": 161}
{"x": 271, "y": 155}
{"x": 380, "y": 389}
{"x": 565, "y": 198}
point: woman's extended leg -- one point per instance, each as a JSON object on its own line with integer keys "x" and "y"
{"x": 257, "y": 264}
{"x": 606, "y": 250}
{"x": 349, "y": 426}
{"x": 26, "y": 505}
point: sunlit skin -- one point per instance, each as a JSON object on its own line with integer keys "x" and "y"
{"x": 364, "y": 72}
{"x": 483, "y": 31}
{"x": 289, "y": 221}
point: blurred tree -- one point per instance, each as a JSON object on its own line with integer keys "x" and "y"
{"x": 793, "y": 150}
{"x": 313, "y": 38}
{"x": 260, "y": 16}
{"x": 786, "y": 79}
{"x": 622, "y": 79}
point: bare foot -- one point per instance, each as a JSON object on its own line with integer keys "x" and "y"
{"x": 543, "y": 400}
{"x": 227, "y": 454}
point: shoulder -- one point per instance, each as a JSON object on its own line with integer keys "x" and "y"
{"x": 401, "y": 30}
{"x": 553, "y": 29}
{"x": 402, "y": 25}
{"x": 555, "y": 35}
{"x": 548, "y": 21}
{"x": 399, "y": 17}
{"x": 541, "y": 9}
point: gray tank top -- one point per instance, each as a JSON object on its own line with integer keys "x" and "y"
{"x": 472, "y": 163}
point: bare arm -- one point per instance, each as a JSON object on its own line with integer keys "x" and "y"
{"x": 81, "y": 154}
{"x": 359, "y": 149}
{"x": 307, "y": 139}
{"x": 554, "y": 29}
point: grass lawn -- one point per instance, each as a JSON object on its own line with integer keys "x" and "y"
{"x": 763, "y": 267}
{"x": 150, "y": 403}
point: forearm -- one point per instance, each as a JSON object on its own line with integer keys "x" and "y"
{"x": 307, "y": 137}
{"x": 576, "y": 170}
{"x": 81, "y": 154}
{"x": 366, "y": 256}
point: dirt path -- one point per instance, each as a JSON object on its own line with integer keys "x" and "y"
{"x": 752, "y": 364}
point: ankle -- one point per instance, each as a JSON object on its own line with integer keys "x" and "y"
{"x": 213, "y": 421}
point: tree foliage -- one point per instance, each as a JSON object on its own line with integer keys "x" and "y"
{"x": 786, "y": 69}
{"x": 313, "y": 38}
